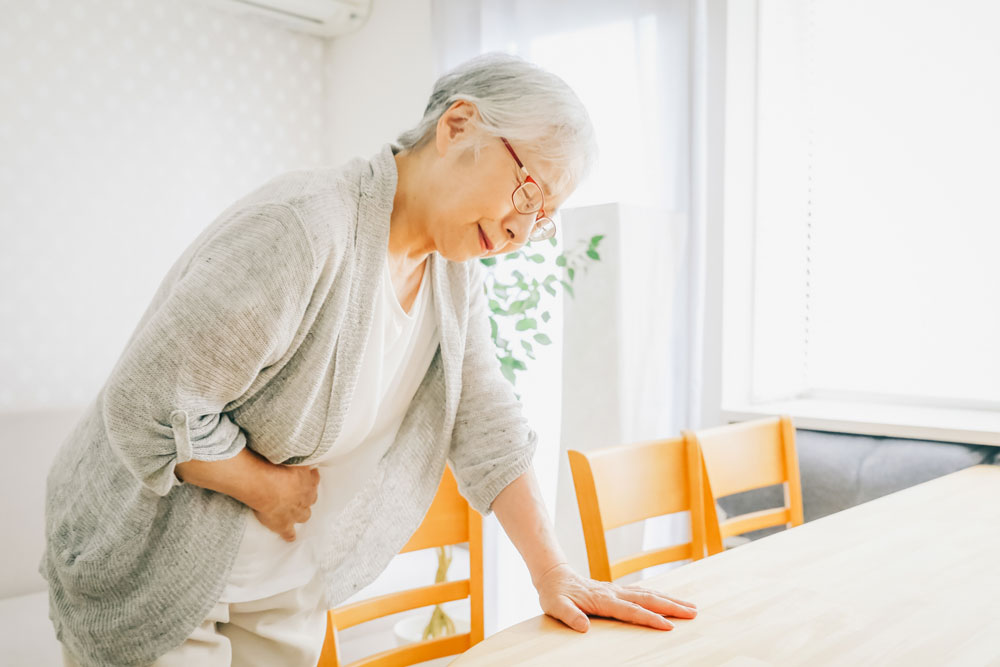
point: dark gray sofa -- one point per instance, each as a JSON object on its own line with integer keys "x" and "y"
{"x": 842, "y": 470}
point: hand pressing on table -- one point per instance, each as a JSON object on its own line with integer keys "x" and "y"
{"x": 564, "y": 594}
{"x": 569, "y": 597}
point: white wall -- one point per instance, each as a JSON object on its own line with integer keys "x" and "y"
{"x": 125, "y": 128}
{"x": 378, "y": 79}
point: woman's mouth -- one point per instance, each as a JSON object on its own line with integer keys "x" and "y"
{"x": 484, "y": 240}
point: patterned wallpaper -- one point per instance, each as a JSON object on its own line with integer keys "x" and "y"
{"x": 126, "y": 126}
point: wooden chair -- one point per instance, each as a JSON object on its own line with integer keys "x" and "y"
{"x": 449, "y": 520}
{"x": 621, "y": 485}
{"x": 744, "y": 456}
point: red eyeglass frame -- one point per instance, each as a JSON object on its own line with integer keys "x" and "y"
{"x": 527, "y": 179}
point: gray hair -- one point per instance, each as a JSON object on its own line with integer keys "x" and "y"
{"x": 522, "y": 103}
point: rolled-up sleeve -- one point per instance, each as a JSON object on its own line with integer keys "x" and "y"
{"x": 492, "y": 443}
{"x": 233, "y": 311}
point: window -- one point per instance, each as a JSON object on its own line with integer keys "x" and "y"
{"x": 861, "y": 219}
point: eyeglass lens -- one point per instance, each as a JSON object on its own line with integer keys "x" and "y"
{"x": 528, "y": 198}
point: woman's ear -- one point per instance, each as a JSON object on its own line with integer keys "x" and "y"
{"x": 455, "y": 125}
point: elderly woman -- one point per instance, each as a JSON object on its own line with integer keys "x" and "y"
{"x": 279, "y": 421}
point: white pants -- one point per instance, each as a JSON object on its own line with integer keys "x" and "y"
{"x": 286, "y": 629}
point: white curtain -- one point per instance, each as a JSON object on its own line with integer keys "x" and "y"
{"x": 632, "y": 64}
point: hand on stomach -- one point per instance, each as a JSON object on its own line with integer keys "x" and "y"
{"x": 292, "y": 495}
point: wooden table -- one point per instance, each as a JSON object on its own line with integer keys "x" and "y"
{"x": 912, "y": 579}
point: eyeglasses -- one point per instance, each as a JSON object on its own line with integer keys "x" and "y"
{"x": 528, "y": 198}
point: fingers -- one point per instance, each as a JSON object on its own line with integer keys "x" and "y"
{"x": 661, "y": 604}
{"x": 612, "y": 602}
{"x": 634, "y": 613}
{"x": 689, "y": 605}
{"x": 637, "y": 587}
{"x": 564, "y": 610}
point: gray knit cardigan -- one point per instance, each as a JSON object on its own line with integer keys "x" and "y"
{"x": 254, "y": 339}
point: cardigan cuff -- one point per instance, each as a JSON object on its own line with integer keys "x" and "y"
{"x": 182, "y": 436}
{"x": 481, "y": 499}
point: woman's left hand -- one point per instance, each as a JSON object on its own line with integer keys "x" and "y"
{"x": 569, "y": 597}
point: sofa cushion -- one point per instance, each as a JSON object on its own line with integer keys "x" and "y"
{"x": 842, "y": 470}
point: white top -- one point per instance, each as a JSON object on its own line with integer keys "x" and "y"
{"x": 396, "y": 358}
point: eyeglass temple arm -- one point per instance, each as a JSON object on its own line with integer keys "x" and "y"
{"x": 517, "y": 160}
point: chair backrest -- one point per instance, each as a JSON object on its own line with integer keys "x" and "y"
{"x": 621, "y": 485}
{"x": 449, "y": 520}
{"x": 744, "y": 456}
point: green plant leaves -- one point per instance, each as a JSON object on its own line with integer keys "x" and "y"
{"x": 519, "y": 295}
{"x": 508, "y": 373}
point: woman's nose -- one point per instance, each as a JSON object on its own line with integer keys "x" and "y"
{"x": 518, "y": 226}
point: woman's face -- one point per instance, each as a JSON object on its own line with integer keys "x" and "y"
{"x": 471, "y": 205}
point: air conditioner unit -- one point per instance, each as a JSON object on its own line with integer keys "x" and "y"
{"x": 327, "y": 18}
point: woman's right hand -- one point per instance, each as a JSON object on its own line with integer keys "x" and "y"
{"x": 293, "y": 490}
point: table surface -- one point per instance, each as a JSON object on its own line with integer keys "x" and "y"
{"x": 912, "y": 578}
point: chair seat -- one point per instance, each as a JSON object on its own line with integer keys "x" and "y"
{"x": 27, "y": 638}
